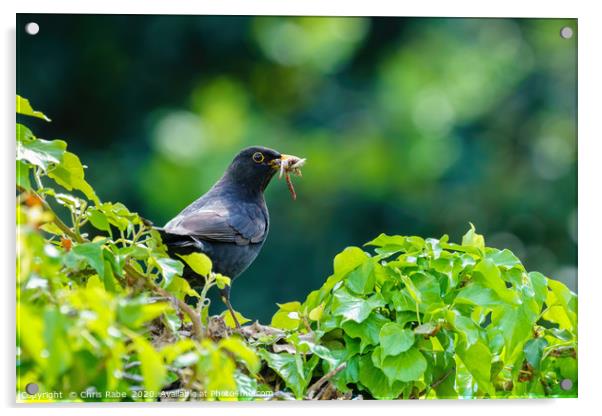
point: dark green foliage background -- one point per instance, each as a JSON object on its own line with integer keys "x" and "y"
{"x": 414, "y": 126}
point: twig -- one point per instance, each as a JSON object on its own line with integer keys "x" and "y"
{"x": 436, "y": 383}
{"x": 56, "y": 220}
{"x": 194, "y": 317}
{"x": 316, "y": 386}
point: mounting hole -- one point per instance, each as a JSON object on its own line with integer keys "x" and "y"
{"x": 31, "y": 388}
{"x": 566, "y": 32}
{"x": 32, "y": 28}
{"x": 566, "y": 384}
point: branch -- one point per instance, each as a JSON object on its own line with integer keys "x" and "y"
{"x": 194, "y": 317}
{"x": 55, "y": 218}
{"x": 316, "y": 386}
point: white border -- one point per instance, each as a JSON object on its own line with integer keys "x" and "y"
{"x": 590, "y": 207}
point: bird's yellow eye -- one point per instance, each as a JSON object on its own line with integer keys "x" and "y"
{"x": 258, "y": 157}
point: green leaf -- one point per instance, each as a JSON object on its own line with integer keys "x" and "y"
{"x": 479, "y": 295}
{"x": 290, "y": 368}
{"x": 533, "y": 350}
{"x": 287, "y": 316}
{"x": 151, "y": 365}
{"x": 222, "y": 281}
{"x": 30, "y": 328}
{"x": 395, "y": 339}
{"x": 110, "y": 283}
{"x": 230, "y": 322}
{"x": 487, "y": 274}
{"x": 246, "y": 386}
{"x": 503, "y": 258}
{"x": 133, "y": 313}
{"x": 24, "y": 107}
{"x": 98, "y": 219}
{"x": 472, "y": 239}
{"x": 539, "y": 284}
{"x": 38, "y": 152}
{"x": 180, "y": 287}
{"x": 70, "y": 175}
{"x": 237, "y": 347}
{"x": 361, "y": 280}
{"x": 477, "y": 359}
{"x": 348, "y": 260}
{"x": 376, "y": 381}
{"x": 389, "y": 244}
{"x": 316, "y": 313}
{"x": 90, "y": 253}
{"x": 352, "y": 307}
{"x": 22, "y": 177}
{"x": 200, "y": 263}
{"x": 58, "y": 350}
{"x": 464, "y": 326}
{"x": 409, "y": 365}
{"x": 562, "y": 306}
{"x": 516, "y": 324}
{"x": 368, "y": 331}
{"x": 169, "y": 269}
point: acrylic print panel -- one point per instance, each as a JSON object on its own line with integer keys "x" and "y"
{"x": 428, "y": 251}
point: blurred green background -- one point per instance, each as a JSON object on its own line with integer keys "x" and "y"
{"x": 409, "y": 125}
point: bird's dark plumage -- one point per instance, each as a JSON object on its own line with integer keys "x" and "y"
{"x": 230, "y": 222}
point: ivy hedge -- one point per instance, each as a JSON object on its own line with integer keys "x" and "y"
{"x": 104, "y": 315}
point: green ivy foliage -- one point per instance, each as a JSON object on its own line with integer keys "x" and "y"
{"x": 102, "y": 312}
{"x": 430, "y": 318}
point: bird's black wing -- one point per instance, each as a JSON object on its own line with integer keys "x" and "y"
{"x": 241, "y": 224}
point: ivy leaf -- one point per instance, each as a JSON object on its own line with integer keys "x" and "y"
{"x": 237, "y": 347}
{"x": 354, "y": 308}
{"x": 169, "y": 269}
{"x": 230, "y": 322}
{"x": 200, "y": 263}
{"x": 222, "y": 281}
{"x": 516, "y": 323}
{"x": 394, "y": 339}
{"x": 70, "y": 175}
{"x": 539, "y": 284}
{"x": 151, "y": 365}
{"x": 24, "y": 107}
{"x": 562, "y": 305}
{"x": 503, "y": 258}
{"x": 98, "y": 219}
{"x": 316, "y": 313}
{"x": 376, "y": 381}
{"x": 290, "y": 368}
{"x": 135, "y": 312}
{"x": 22, "y": 177}
{"x": 409, "y": 365}
{"x": 477, "y": 360}
{"x": 479, "y": 295}
{"x": 464, "y": 326}
{"x": 287, "y": 316}
{"x": 59, "y": 354}
{"x": 472, "y": 239}
{"x": 488, "y": 274}
{"x": 361, "y": 280}
{"x": 367, "y": 331}
{"x": 348, "y": 260}
{"x": 38, "y": 152}
{"x": 90, "y": 253}
{"x": 534, "y": 351}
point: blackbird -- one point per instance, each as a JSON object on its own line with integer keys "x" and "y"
{"x": 230, "y": 222}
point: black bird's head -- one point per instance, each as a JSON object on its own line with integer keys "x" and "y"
{"x": 254, "y": 167}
